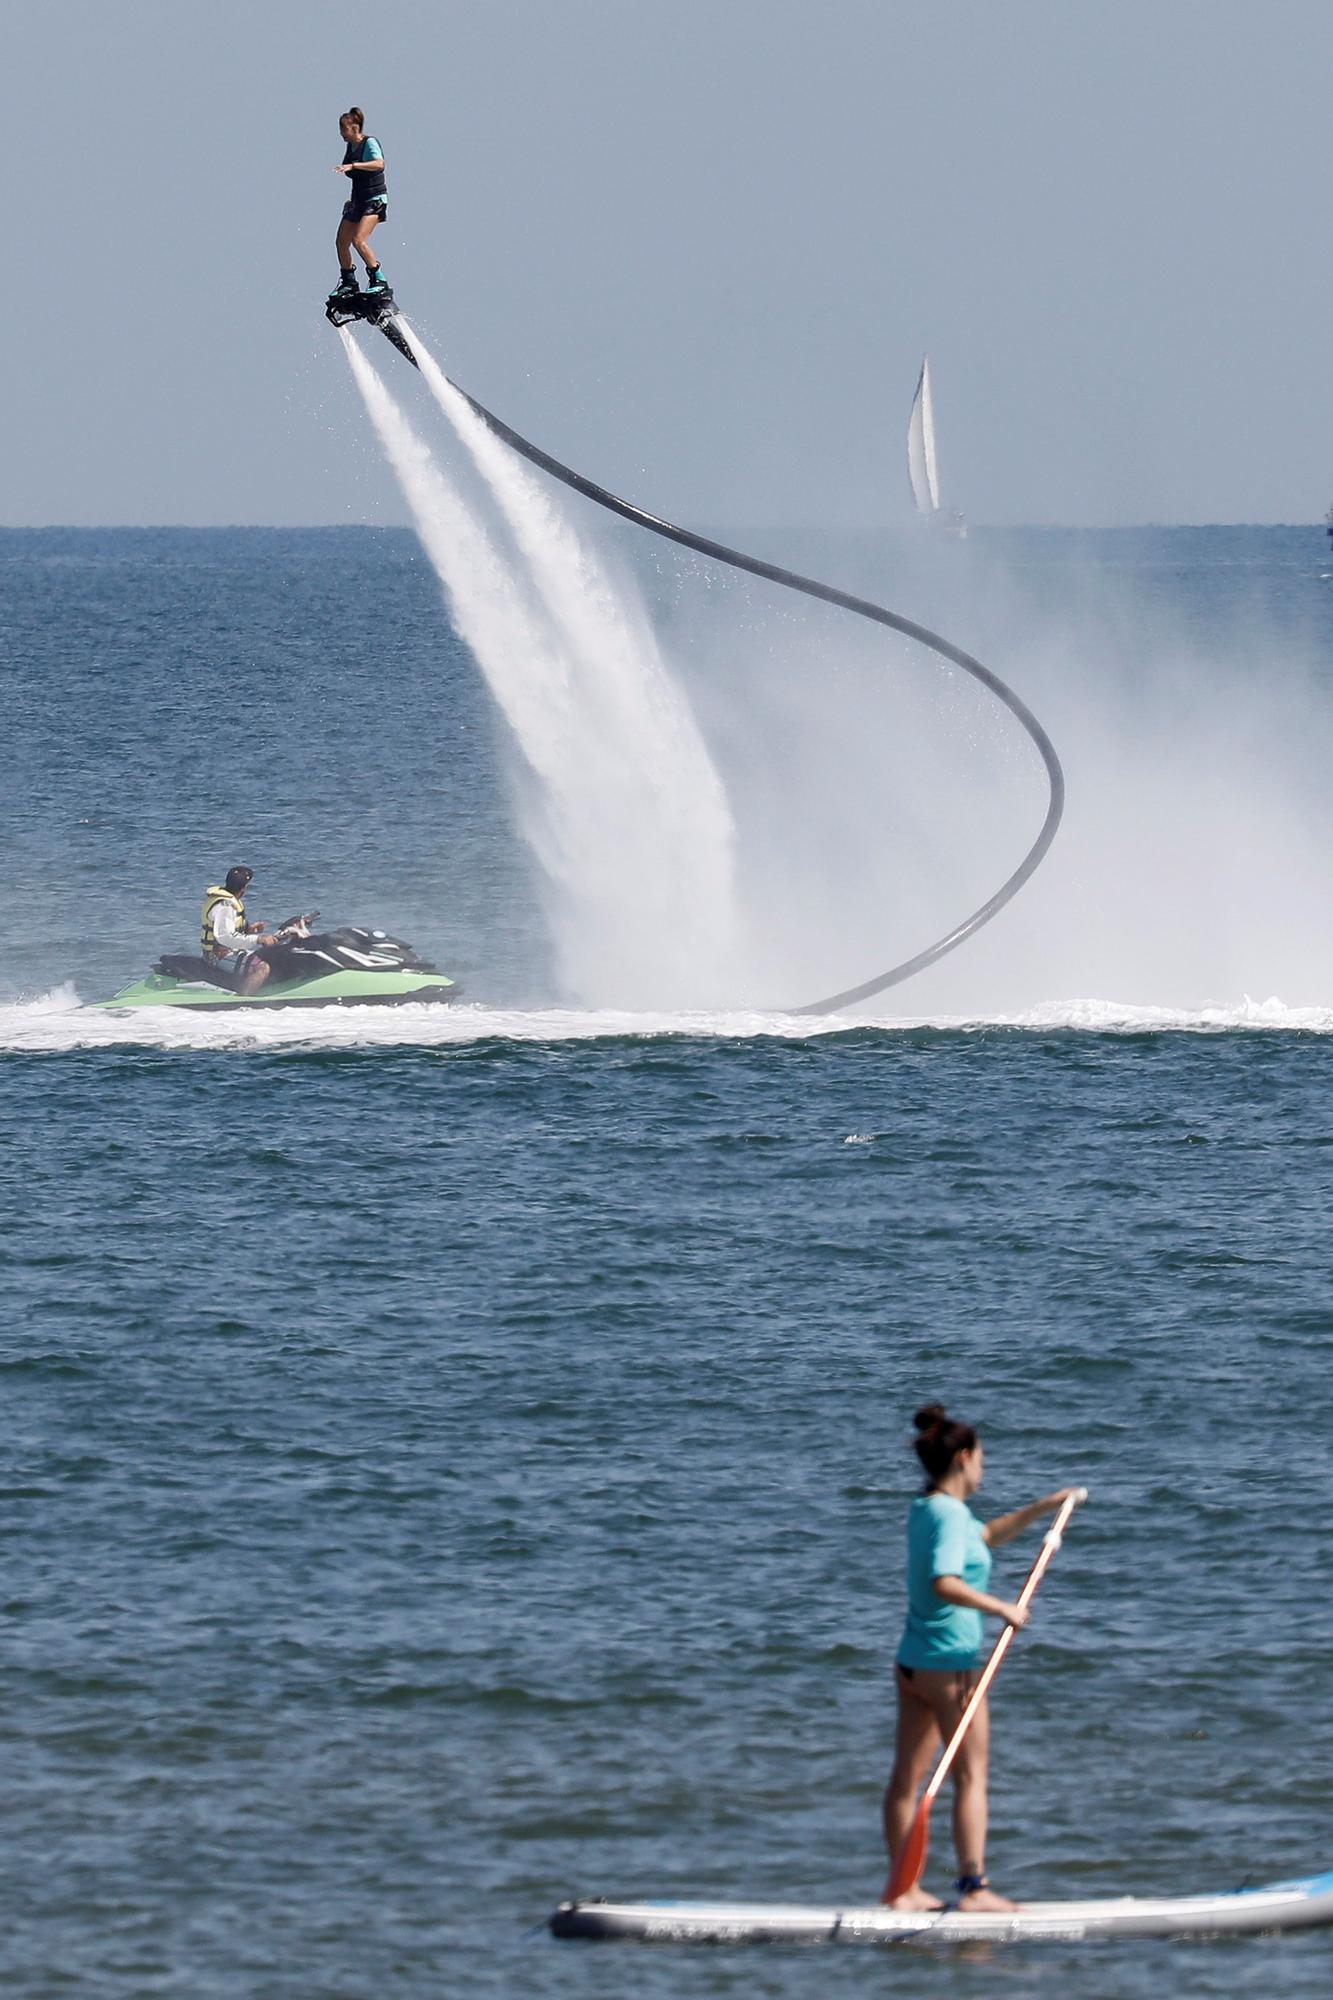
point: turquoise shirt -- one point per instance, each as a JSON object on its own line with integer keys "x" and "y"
{"x": 943, "y": 1539}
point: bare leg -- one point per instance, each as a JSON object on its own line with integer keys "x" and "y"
{"x": 254, "y": 972}
{"x": 918, "y": 1739}
{"x": 971, "y": 1812}
{"x": 946, "y": 1696}
{"x": 361, "y": 240}
{"x": 346, "y": 230}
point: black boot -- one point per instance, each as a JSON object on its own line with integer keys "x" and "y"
{"x": 346, "y": 286}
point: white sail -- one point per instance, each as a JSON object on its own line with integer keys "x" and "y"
{"x": 921, "y": 467}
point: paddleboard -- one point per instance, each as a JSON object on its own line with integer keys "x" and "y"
{"x": 1279, "y": 1906}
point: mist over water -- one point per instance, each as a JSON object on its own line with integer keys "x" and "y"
{"x": 879, "y": 797}
{"x": 1193, "y": 863}
{"x": 798, "y": 800}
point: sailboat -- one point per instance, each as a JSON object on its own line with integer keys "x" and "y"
{"x": 923, "y": 462}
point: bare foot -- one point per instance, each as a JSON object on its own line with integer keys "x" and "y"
{"x": 915, "y": 1899}
{"x": 985, "y": 1899}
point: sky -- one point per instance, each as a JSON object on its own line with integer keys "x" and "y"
{"x": 695, "y": 247}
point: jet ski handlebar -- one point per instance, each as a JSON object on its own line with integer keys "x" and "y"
{"x": 296, "y": 926}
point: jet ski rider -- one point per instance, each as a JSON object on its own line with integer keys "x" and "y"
{"x": 238, "y": 951}
{"x": 363, "y": 164}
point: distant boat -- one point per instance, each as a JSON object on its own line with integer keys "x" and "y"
{"x": 1329, "y": 518}
{"x": 923, "y": 460}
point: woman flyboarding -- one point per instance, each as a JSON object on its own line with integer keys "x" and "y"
{"x": 363, "y": 164}
{"x": 948, "y": 1568}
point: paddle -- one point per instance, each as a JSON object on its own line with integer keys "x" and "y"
{"x": 906, "y": 1872}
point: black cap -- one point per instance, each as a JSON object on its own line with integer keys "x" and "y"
{"x": 239, "y": 880}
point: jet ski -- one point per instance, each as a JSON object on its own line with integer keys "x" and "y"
{"x": 342, "y": 968}
{"x": 376, "y": 308}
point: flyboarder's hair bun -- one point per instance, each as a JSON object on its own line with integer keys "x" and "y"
{"x": 356, "y": 114}
{"x": 939, "y": 1440}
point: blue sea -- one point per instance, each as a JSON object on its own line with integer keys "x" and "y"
{"x": 458, "y": 1462}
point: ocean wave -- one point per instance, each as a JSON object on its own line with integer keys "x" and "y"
{"x": 58, "y": 1021}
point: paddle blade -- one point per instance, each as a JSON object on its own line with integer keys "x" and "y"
{"x": 910, "y": 1865}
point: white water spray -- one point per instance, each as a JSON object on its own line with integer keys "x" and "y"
{"x": 628, "y": 816}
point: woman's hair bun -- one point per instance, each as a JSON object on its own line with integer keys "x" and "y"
{"x": 355, "y": 111}
{"x": 939, "y": 1439}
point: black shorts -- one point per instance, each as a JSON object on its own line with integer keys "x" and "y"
{"x": 378, "y": 205}
{"x": 909, "y": 1673}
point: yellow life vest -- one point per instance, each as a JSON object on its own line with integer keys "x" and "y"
{"x": 212, "y": 897}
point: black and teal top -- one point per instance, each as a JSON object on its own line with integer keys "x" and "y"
{"x": 365, "y": 187}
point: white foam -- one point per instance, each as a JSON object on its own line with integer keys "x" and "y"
{"x": 57, "y": 1021}
{"x": 1114, "y": 1017}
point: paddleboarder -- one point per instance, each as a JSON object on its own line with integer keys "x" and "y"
{"x": 938, "y": 1663}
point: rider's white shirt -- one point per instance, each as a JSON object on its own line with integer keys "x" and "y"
{"x": 226, "y": 931}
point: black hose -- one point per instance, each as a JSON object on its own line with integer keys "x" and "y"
{"x": 862, "y": 606}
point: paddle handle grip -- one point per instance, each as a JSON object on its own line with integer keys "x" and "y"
{"x": 1051, "y": 1541}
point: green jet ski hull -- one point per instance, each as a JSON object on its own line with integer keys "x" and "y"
{"x": 331, "y": 989}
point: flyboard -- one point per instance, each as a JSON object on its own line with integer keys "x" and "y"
{"x": 1279, "y": 1906}
{"x": 376, "y": 309}
{"x": 341, "y": 310}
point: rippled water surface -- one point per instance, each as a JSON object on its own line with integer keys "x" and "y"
{"x": 458, "y": 1462}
